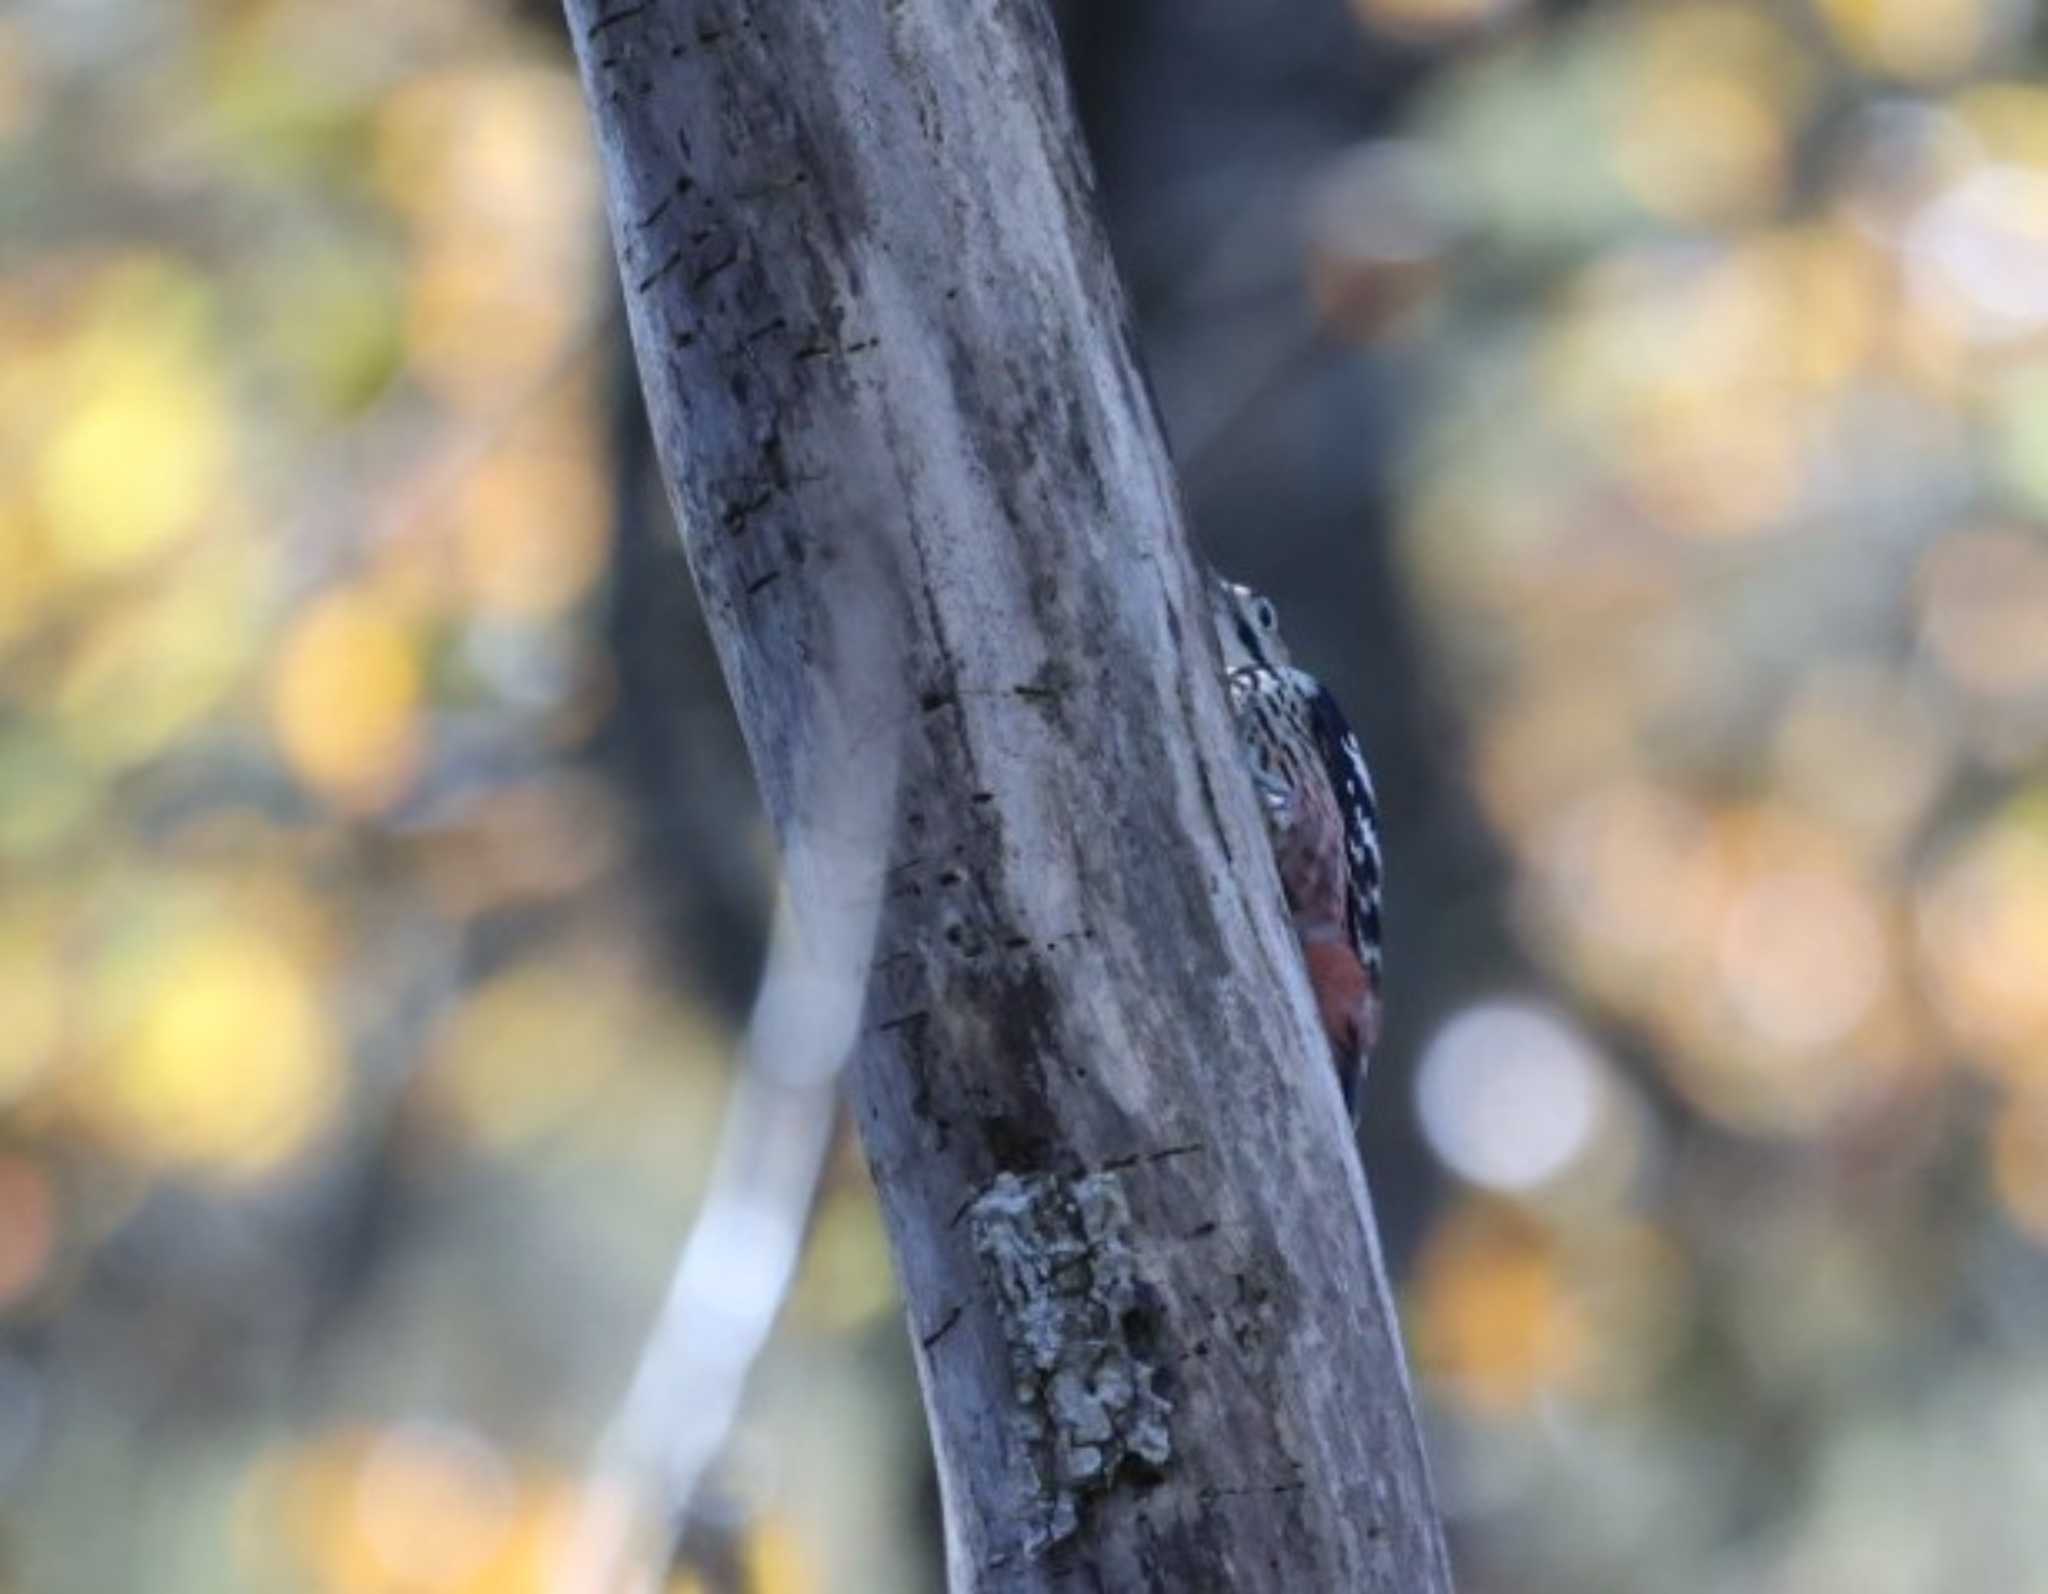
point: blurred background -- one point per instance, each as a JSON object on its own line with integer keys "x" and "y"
{"x": 1639, "y": 409}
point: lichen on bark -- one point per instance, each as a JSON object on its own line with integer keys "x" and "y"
{"x": 1082, "y": 1332}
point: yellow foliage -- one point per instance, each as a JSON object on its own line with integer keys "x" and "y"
{"x": 847, "y": 1280}
{"x": 480, "y": 325}
{"x": 524, "y": 1048}
{"x": 34, "y": 995}
{"x": 1862, "y": 748}
{"x": 428, "y": 1508}
{"x": 408, "y": 1509}
{"x": 1704, "y": 120}
{"x": 146, "y": 670}
{"x": 776, "y": 1562}
{"x": 1916, "y": 39}
{"x": 532, "y": 522}
{"x": 2019, "y": 1163}
{"x": 1751, "y": 941}
{"x": 333, "y": 323}
{"x": 1493, "y": 1322}
{"x": 494, "y": 170}
{"x": 499, "y": 145}
{"x": 33, "y": 575}
{"x": 346, "y": 700}
{"x": 1699, "y": 379}
{"x": 2009, "y": 120}
{"x": 1429, "y": 16}
{"x": 223, "y": 1060}
{"x": 140, "y": 452}
{"x": 1984, "y": 942}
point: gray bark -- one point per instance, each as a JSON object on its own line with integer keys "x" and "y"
{"x": 930, "y": 515}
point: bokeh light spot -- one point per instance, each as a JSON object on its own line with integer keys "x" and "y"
{"x": 1984, "y": 610}
{"x": 1701, "y": 146}
{"x": 1508, "y": 1094}
{"x": 1860, "y": 746}
{"x": 1914, "y": 39}
{"x": 2019, "y": 1164}
{"x": 1430, "y": 17}
{"x": 1978, "y": 254}
{"x": 433, "y": 1504}
{"x": 28, "y": 1226}
{"x": 777, "y": 1562}
{"x": 1984, "y": 942}
{"x": 346, "y": 701}
{"x": 228, "y": 1063}
{"x": 532, "y": 522}
{"x": 1493, "y": 1322}
{"x": 137, "y": 462}
{"x": 34, "y": 993}
{"x": 525, "y": 1047}
{"x": 1802, "y": 956}
{"x": 148, "y": 670}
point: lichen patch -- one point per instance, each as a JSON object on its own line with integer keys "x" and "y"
{"x": 1082, "y": 1331}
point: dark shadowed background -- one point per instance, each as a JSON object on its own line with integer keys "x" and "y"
{"x": 1639, "y": 412}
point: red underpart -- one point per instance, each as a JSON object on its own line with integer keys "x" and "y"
{"x": 1346, "y": 999}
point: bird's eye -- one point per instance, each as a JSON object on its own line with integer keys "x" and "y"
{"x": 1266, "y": 615}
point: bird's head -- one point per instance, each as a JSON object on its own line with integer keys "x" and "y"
{"x": 1247, "y": 627}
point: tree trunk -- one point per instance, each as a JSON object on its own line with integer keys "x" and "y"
{"x": 928, "y": 510}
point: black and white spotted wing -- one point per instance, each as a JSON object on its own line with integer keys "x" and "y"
{"x": 1344, "y": 761}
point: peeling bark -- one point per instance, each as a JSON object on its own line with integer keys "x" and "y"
{"x": 927, "y": 507}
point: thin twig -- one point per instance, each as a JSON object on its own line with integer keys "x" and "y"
{"x": 741, "y": 1255}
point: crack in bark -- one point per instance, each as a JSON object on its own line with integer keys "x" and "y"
{"x": 1119, "y": 1164}
{"x": 603, "y": 23}
{"x": 946, "y": 1327}
{"x": 674, "y": 259}
{"x": 724, "y": 262}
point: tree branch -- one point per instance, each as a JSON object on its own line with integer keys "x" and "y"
{"x": 928, "y": 510}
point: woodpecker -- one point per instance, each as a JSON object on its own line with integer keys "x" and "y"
{"x": 1316, "y": 794}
